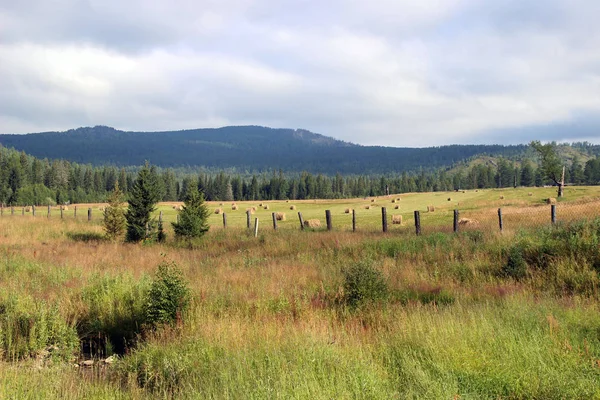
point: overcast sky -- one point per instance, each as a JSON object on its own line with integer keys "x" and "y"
{"x": 384, "y": 72}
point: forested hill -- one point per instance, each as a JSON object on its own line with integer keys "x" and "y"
{"x": 251, "y": 148}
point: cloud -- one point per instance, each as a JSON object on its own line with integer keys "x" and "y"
{"x": 399, "y": 73}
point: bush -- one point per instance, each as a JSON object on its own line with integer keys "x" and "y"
{"x": 363, "y": 284}
{"x": 169, "y": 295}
{"x": 515, "y": 266}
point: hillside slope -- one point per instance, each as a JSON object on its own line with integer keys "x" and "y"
{"x": 241, "y": 147}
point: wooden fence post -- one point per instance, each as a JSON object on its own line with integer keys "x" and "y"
{"x": 500, "y": 222}
{"x": 75, "y": 212}
{"x": 301, "y": 221}
{"x": 417, "y": 222}
{"x": 89, "y": 214}
{"x": 23, "y": 211}
{"x": 456, "y": 221}
{"x": 61, "y": 212}
{"x": 553, "y": 213}
{"x": 49, "y": 211}
{"x": 224, "y": 221}
{"x": 274, "y": 221}
{"x": 353, "y": 220}
{"x": 160, "y": 217}
{"x": 12, "y": 210}
{"x": 255, "y": 227}
{"x": 328, "y": 219}
{"x": 248, "y": 213}
{"x": 384, "y": 221}
{"x": 33, "y": 210}
{"x": 177, "y": 218}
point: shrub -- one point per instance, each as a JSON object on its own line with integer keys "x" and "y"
{"x": 363, "y": 284}
{"x": 193, "y": 218}
{"x": 515, "y": 266}
{"x": 114, "y": 215}
{"x": 169, "y": 295}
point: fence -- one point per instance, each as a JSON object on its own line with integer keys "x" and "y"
{"x": 380, "y": 219}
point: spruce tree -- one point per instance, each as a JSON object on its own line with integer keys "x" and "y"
{"x": 114, "y": 215}
{"x": 144, "y": 195}
{"x": 193, "y": 218}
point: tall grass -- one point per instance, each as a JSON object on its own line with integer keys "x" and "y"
{"x": 477, "y": 314}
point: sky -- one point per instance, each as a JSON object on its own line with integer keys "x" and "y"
{"x": 402, "y": 73}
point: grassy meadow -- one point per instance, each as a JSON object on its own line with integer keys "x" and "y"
{"x": 313, "y": 314}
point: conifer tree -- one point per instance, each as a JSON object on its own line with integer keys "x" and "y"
{"x": 193, "y": 218}
{"x": 143, "y": 197}
{"x": 114, "y": 215}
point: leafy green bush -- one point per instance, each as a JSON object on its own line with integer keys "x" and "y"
{"x": 363, "y": 284}
{"x": 169, "y": 295}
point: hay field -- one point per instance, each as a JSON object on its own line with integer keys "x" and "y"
{"x": 474, "y": 315}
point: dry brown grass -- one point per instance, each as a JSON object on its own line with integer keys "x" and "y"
{"x": 551, "y": 200}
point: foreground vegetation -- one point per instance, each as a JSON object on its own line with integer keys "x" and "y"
{"x": 309, "y": 314}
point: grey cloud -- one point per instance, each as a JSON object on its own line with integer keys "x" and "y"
{"x": 392, "y": 72}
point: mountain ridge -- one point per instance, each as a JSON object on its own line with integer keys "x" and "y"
{"x": 251, "y": 147}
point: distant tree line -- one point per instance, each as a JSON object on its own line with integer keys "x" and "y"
{"x": 26, "y": 180}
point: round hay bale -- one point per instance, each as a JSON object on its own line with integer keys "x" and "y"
{"x": 65, "y": 208}
{"x": 397, "y": 219}
{"x": 234, "y": 207}
{"x": 372, "y": 200}
{"x": 251, "y": 209}
{"x": 393, "y": 200}
{"x": 468, "y": 221}
{"x": 218, "y": 211}
{"x": 396, "y": 207}
{"x": 529, "y": 194}
{"x": 430, "y": 208}
{"x": 312, "y": 223}
{"x": 551, "y": 200}
{"x": 260, "y": 205}
{"x": 347, "y": 211}
{"x": 266, "y": 207}
{"x": 449, "y": 198}
{"x": 292, "y": 207}
{"x": 174, "y": 207}
{"x": 280, "y": 216}
{"x": 501, "y": 197}
{"x": 367, "y": 207}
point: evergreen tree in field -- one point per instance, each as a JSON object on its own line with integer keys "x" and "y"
{"x": 144, "y": 195}
{"x": 114, "y": 215}
{"x": 193, "y": 219}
